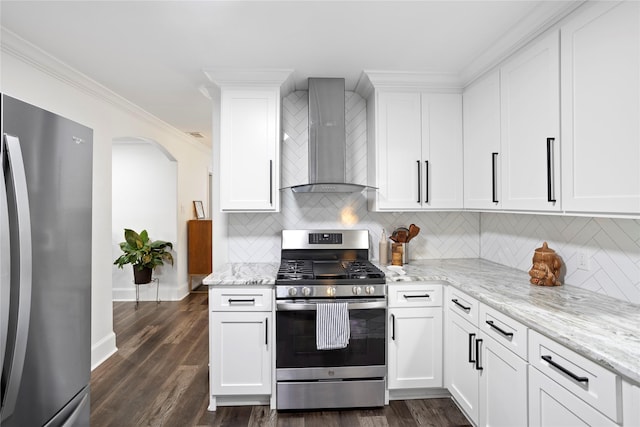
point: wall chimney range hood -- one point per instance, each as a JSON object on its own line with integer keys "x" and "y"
{"x": 327, "y": 139}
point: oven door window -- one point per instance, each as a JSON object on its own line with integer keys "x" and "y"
{"x": 296, "y": 340}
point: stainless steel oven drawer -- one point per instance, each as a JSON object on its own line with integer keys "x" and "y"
{"x": 330, "y": 394}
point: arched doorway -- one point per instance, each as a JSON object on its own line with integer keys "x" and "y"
{"x": 144, "y": 196}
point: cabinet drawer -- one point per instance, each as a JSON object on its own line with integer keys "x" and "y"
{"x": 464, "y": 305}
{"x": 415, "y": 295}
{"x": 587, "y": 380}
{"x": 242, "y": 299}
{"x": 508, "y": 332}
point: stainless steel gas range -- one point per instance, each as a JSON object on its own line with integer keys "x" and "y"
{"x": 326, "y": 286}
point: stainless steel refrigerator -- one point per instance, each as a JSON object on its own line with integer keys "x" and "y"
{"x": 45, "y": 267}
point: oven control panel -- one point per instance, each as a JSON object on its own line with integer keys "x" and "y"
{"x": 339, "y": 291}
{"x": 325, "y": 238}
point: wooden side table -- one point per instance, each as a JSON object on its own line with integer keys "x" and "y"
{"x": 199, "y": 241}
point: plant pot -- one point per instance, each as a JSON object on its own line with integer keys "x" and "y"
{"x": 141, "y": 277}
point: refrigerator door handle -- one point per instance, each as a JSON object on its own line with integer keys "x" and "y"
{"x": 23, "y": 217}
{"x": 5, "y": 262}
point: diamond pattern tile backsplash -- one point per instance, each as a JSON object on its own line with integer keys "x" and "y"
{"x": 612, "y": 246}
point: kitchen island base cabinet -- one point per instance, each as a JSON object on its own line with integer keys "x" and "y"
{"x": 240, "y": 347}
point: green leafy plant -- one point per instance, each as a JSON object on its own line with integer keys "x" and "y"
{"x": 143, "y": 253}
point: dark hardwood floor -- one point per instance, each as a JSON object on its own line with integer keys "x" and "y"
{"x": 159, "y": 377}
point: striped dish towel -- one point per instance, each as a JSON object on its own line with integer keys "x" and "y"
{"x": 332, "y": 325}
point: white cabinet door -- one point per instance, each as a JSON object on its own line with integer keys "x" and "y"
{"x": 550, "y": 404}
{"x": 462, "y": 377}
{"x": 601, "y": 109}
{"x": 398, "y": 150}
{"x": 503, "y": 386}
{"x": 530, "y": 123}
{"x": 249, "y": 149}
{"x": 240, "y": 352}
{"x": 415, "y": 348}
{"x": 481, "y": 103}
{"x": 418, "y": 151}
{"x": 441, "y": 177}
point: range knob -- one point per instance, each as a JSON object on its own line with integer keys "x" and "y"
{"x": 357, "y": 290}
{"x": 331, "y": 291}
{"x": 292, "y": 292}
{"x": 370, "y": 290}
{"x": 306, "y": 291}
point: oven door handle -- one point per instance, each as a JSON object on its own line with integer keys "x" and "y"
{"x": 353, "y": 305}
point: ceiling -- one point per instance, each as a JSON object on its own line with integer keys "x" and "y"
{"x": 153, "y": 53}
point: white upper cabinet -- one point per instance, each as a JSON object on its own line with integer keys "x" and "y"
{"x": 530, "y": 126}
{"x": 511, "y": 130}
{"x": 417, "y": 151}
{"x": 601, "y": 109}
{"x": 481, "y": 114}
{"x": 250, "y": 149}
{"x": 398, "y": 151}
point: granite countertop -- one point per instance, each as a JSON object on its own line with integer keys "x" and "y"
{"x": 601, "y": 328}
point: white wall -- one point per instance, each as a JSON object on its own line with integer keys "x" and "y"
{"x": 31, "y": 75}
{"x": 144, "y": 197}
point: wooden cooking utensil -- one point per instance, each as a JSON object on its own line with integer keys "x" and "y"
{"x": 402, "y": 234}
{"x": 414, "y": 230}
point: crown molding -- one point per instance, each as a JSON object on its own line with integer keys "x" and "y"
{"x": 234, "y": 77}
{"x": 407, "y": 80}
{"x": 19, "y": 48}
{"x": 544, "y": 16}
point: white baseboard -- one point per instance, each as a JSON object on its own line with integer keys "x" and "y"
{"x": 148, "y": 293}
{"x": 103, "y": 350}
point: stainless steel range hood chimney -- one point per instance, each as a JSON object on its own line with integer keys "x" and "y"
{"x": 327, "y": 139}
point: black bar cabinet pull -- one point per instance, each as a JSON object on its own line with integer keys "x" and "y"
{"x": 393, "y": 327}
{"x": 426, "y": 180}
{"x": 455, "y": 301}
{"x": 471, "y": 338}
{"x": 419, "y": 181}
{"x": 550, "y": 195}
{"x": 478, "y": 367}
{"x": 565, "y": 370}
{"x": 499, "y": 329}
{"x": 232, "y": 301}
{"x": 494, "y": 181}
{"x": 271, "y": 182}
{"x": 266, "y": 331}
{"x": 417, "y": 296}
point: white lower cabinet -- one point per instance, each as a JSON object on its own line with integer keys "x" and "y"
{"x": 566, "y": 389}
{"x": 461, "y": 376}
{"x": 552, "y": 405}
{"x": 240, "y": 345}
{"x": 503, "y": 385}
{"x": 485, "y": 371}
{"x": 415, "y": 336}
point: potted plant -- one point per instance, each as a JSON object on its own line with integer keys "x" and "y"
{"x": 143, "y": 254}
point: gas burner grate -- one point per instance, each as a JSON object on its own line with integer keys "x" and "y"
{"x": 363, "y": 270}
{"x": 295, "y": 270}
